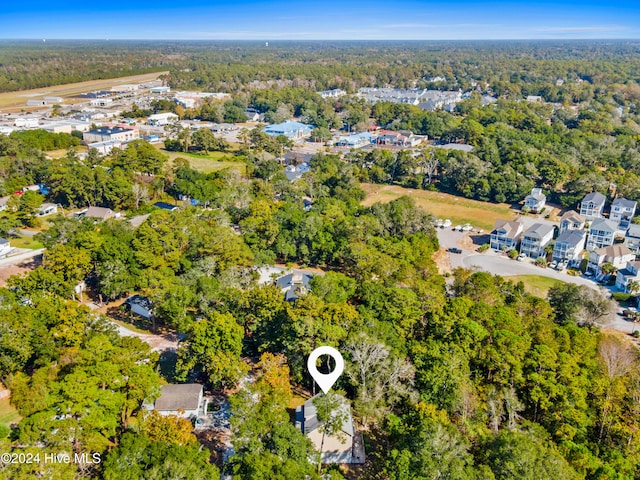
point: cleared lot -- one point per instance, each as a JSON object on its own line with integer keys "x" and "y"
{"x": 443, "y": 205}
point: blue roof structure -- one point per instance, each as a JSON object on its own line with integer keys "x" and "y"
{"x": 165, "y": 206}
{"x": 289, "y": 129}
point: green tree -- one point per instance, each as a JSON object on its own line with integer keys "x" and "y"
{"x": 213, "y": 347}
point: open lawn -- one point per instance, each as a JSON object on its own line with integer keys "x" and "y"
{"x": 8, "y": 414}
{"x": 14, "y": 99}
{"x": 535, "y": 284}
{"x": 443, "y": 205}
{"x": 26, "y": 241}
{"x": 210, "y": 162}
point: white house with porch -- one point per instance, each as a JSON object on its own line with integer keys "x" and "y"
{"x": 617, "y": 255}
{"x": 592, "y": 205}
{"x": 535, "y": 239}
{"x": 505, "y": 235}
{"x": 630, "y": 273}
{"x": 536, "y": 201}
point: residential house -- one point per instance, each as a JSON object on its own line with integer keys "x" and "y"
{"x": 592, "y": 205}
{"x": 294, "y": 172}
{"x": 535, "y": 201}
{"x": 617, "y": 255}
{"x": 105, "y": 134}
{"x": 505, "y": 235}
{"x": 182, "y": 400}
{"x": 139, "y": 305}
{"x": 395, "y": 139}
{"x": 294, "y": 284}
{"x": 47, "y": 209}
{"x": 632, "y": 238}
{"x": 289, "y": 129}
{"x": 253, "y": 115}
{"x": 343, "y": 447}
{"x": 630, "y": 273}
{"x": 162, "y": 119}
{"x": 571, "y": 220}
{"x": 535, "y": 239}
{"x": 4, "y": 202}
{"x": 100, "y": 213}
{"x": 622, "y": 212}
{"x": 569, "y": 246}
{"x": 5, "y": 246}
{"x": 601, "y": 233}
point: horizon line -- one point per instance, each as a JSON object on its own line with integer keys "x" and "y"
{"x": 565, "y": 39}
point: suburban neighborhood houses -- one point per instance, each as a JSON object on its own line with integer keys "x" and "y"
{"x": 454, "y": 225}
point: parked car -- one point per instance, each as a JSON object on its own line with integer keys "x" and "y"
{"x": 447, "y": 223}
{"x": 521, "y": 257}
{"x": 455, "y": 250}
{"x": 553, "y": 265}
{"x": 467, "y": 227}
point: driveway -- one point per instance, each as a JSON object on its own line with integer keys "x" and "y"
{"x": 19, "y": 255}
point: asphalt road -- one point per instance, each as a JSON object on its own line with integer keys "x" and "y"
{"x": 496, "y": 263}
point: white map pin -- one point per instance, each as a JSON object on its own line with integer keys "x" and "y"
{"x": 325, "y": 380}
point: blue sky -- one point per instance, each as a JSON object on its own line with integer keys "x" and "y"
{"x": 311, "y": 20}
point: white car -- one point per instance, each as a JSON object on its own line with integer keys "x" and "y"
{"x": 458, "y": 228}
{"x": 467, "y": 227}
{"x": 521, "y": 257}
{"x": 447, "y": 223}
{"x": 553, "y": 265}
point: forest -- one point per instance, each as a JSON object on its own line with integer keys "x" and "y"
{"x": 466, "y": 378}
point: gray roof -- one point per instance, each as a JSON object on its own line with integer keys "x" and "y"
{"x": 572, "y": 237}
{"x": 309, "y": 419}
{"x": 624, "y": 203}
{"x": 634, "y": 230}
{"x": 99, "y": 212}
{"x": 174, "y": 397}
{"x": 595, "y": 197}
{"x": 603, "y": 224}
{"x": 539, "y": 230}
{"x": 291, "y": 281}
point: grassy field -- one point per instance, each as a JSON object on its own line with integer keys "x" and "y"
{"x": 26, "y": 242}
{"x": 14, "y": 99}
{"x": 443, "y": 205}
{"x": 8, "y": 414}
{"x": 535, "y": 284}
{"x": 211, "y": 162}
